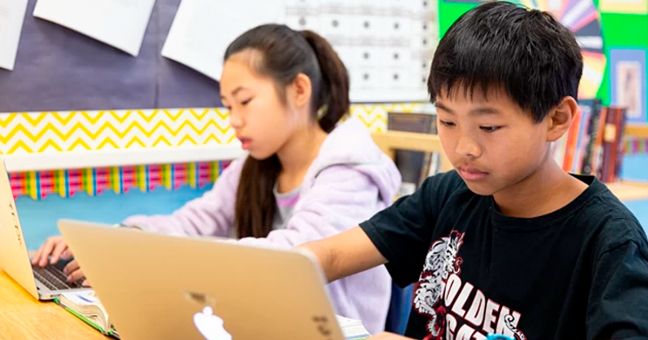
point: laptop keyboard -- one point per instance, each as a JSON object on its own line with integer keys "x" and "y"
{"x": 54, "y": 278}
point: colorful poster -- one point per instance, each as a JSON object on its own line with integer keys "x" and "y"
{"x": 628, "y": 82}
{"x": 624, "y": 6}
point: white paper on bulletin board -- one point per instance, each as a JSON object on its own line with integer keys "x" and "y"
{"x": 118, "y": 23}
{"x": 202, "y": 30}
{"x": 387, "y": 46}
{"x": 12, "y": 14}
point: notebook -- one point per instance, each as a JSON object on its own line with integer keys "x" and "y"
{"x": 87, "y": 307}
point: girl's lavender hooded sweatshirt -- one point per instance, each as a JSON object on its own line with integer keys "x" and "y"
{"x": 348, "y": 182}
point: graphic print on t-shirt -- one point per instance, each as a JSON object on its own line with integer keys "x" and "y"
{"x": 441, "y": 297}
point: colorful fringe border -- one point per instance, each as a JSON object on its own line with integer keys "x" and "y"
{"x": 67, "y": 183}
{"x": 636, "y": 146}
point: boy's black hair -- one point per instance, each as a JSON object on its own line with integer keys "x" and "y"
{"x": 533, "y": 57}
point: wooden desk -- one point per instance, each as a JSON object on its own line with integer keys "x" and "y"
{"x": 24, "y": 318}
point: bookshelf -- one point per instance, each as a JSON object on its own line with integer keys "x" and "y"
{"x": 390, "y": 141}
{"x": 395, "y": 140}
{"x": 632, "y": 190}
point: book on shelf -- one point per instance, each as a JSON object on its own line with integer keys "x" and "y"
{"x": 593, "y": 145}
{"x": 613, "y": 145}
{"x": 414, "y": 166}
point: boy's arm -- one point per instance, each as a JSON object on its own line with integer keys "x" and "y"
{"x": 398, "y": 236}
{"x": 345, "y": 254}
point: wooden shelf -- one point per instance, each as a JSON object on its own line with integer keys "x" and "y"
{"x": 390, "y": 141}
{"x": 637, "y": 130}
{"x": 629, "y": 190}
{"x": 396, "y": 140}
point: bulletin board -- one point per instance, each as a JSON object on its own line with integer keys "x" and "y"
{"x": 614, "y": 37}
{"x": 386, "y": 46}
{"x": 77, "y": 115}
{"x": 58, "y": 69}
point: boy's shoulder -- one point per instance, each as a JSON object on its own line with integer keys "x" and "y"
{"x": 609, "y": 221}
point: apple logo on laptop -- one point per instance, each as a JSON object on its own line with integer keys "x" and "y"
{"x": 210, "y": 325}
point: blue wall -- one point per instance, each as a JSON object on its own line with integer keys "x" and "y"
{"x": 38, "y": 218}
{"x": 636, "y": 167}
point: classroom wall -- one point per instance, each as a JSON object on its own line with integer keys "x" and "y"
{"x": 121, "y": 125}
{"x": 39, "y": 216}
{"x": 613, "y": 35}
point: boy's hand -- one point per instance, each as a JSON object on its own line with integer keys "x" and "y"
{"x": 388, "y": 336}
{"x": 51, "y": 251}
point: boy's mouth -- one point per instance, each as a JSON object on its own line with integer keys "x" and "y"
{"x": 472, "y": 174}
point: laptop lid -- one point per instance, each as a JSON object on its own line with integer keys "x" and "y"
{"x": 14, "y": 258}
{"x": 164, "y": 287}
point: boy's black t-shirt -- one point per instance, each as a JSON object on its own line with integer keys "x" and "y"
{"x": 578, "y": 273}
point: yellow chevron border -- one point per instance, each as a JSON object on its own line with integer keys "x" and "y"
{"x": 51, "y": 132}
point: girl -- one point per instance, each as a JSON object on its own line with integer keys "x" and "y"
{"x": 305, "y": 178}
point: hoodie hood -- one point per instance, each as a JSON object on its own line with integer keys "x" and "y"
{"x": 351, "y": 144}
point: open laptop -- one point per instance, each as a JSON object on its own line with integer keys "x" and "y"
{"x": 42, "y": 283}
{"x": 164, "y": 287}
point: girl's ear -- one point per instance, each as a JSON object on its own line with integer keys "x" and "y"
{"x": 300, "y": 91}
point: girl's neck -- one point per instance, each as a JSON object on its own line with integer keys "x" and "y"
{"x": 297, "y": 155}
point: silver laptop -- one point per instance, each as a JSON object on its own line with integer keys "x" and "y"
{"x": 164, "y": 287}
{"x": 42, "y": 283}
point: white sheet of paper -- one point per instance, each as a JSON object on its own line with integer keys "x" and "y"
{"x": 12, "y": 14}
{"x": 118, "y": 23}
{"x": 202, "y": 30}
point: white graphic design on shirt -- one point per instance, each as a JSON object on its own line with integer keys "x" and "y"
{"x": 442, "y": 297}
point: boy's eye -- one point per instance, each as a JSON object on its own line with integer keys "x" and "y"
{"x": 490, "y": 128}
{"x": 448, "y": 124}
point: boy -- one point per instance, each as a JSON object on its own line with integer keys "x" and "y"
{"x": 508, "y": 243}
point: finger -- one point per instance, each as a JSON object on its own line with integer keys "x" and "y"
{"x": 47, "y": 250}
{"x": 71, "y": 267}
{"x": 75, "y": 276}
{"x": 36, "y": 257}
{"x": 66, "y": 254}
{"x": 58, "y": 250}
{"x": 86, "y": 283}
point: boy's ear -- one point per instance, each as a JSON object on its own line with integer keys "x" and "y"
{"x": 560, "y": 118}
{"x": 300, "y": 91}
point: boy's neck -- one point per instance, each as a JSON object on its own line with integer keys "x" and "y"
{"x": 546, "y": 190}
